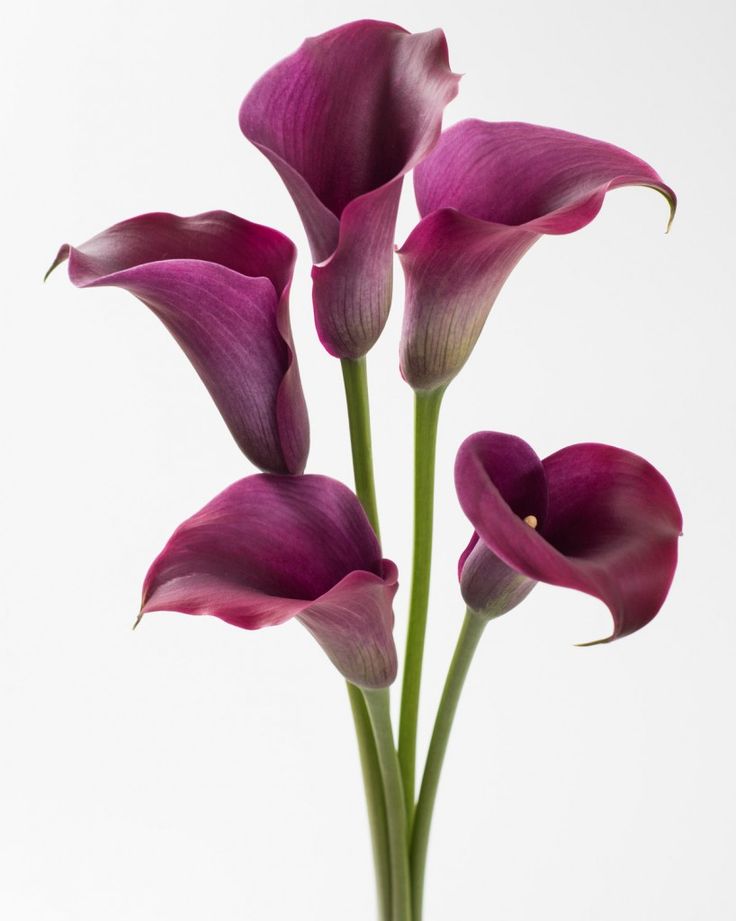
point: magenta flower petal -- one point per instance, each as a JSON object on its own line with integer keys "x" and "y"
{"x": 353, "y": 623}
{"x": 220, "y": 285}
{"x": 342, "y": 120}
{"x": 270, "y": 548}
{"x": 486, "y": 193}
{"x": 598, "y": 519}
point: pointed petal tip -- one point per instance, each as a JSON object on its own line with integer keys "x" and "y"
{"x": 673, "y": 208}
{"x": 139, "y": 618}
{"x": 602, "y": 642}
{"x": 671, "y": 199}
{"x": 61, "y": 256}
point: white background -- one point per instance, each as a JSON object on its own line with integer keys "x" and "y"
{"x": 194, "y": 771}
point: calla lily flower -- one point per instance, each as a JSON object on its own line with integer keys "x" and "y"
{"x": 486, "y": 193}
{"x": 220, "y": 285}
{"x": 342, "y": 120}
{"x": 271, "y": 548}
{"x": 590, "y": 517}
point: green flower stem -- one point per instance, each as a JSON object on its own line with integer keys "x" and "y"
{"x": 375, "y": 802}
{"x": 356, "y": 396}
{"x": 427, "y": 409}
{"x": 355, "y": 380}
{"x": 471, "y": 632}
{"x": 377, "y": 702}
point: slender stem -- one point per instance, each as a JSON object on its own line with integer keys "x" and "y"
{"x": 377, "y": 702}
{"x": 374, "y": 798}
{"x": 356, "y": 396}
{"x": 427, "y": 409}
{"x": 355, "y": 379}
{"x": 467, "y": 643}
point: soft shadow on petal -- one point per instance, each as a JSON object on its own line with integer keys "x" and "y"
{"x": 343, "y": 119}
{"x": 220, "y": 285}
{"x": 616, "y": 517}
{"x": 454, "y": 267}
{"x": 352, "y": 289}
{"x": 271, "y": 548}
{"x": 514, "y": 173}
{"x": 611, "y": 527}
{"x": 486, "y": 193}
{"x": 489, "y": 587}
{"x": 358, "y": 606}
{"x": 351, "y": 110}
{"x": 487, "y": 507}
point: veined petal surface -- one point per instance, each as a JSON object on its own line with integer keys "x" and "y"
{"x": 270, "y": 548}
{"x": 486, "y": 193}
{"x": 220, "y": 285}
{"x": 606, "y": 522}
{"x": 343, "y": 119}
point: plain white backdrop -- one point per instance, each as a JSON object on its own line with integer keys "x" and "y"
{"x": 194, "y": 771}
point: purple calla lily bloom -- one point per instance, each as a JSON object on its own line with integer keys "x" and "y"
{"x": 220, "y": 285}
{"x": 270, "y": 548}
{"x": 342, "y": 120}
{"x": 590, "y": 517}
{"x": 486, "y": 193}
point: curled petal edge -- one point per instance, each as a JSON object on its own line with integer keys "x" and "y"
{"x": 276, "y": 255}
{"x": 605, "y": 571}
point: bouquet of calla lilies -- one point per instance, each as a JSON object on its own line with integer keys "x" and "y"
{"x": 343, "y": 120}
